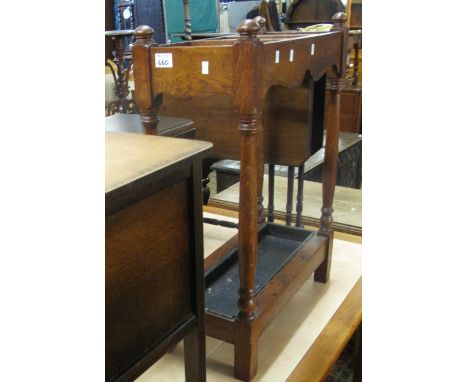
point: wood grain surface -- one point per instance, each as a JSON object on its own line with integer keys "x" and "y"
{"x": 132, "y": 156}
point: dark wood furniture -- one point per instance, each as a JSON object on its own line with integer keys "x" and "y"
{"x": 303, "y": 13}
{"x": 248, "y": 81}
{"x": 349, "y": 165}
{"x": 154, "y": 253}
{"x": 124, "y": 65}
{"x": 312, "y": 11}
{"x": 167, "y": 126}
{"x": 349, "y": 162}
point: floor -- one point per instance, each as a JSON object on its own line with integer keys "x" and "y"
{"x": 291, "y": 333}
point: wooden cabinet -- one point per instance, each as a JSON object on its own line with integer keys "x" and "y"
{"x": 154, "y": 253}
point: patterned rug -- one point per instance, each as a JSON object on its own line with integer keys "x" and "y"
{"x": 343, "y": 370}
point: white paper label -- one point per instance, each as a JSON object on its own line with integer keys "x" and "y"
{"x": 163, "y": 60}
{"x": 312, "y": 49}
{"x": 277, "y": 57}
{"x": 205, "y": 67}
{"x": 291, "y": 55}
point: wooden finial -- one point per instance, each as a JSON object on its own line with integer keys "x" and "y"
{"x": 144, "y": 34}
{"x": 248, "y": 27}
{"x": 339, "y": 19}
{"x": 262, "y": 22}
{"x": 188, "y": 22}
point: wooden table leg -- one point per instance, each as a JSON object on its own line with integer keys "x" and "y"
{"x": 290, "y": 194}
{"x": 246, "y": 99}
{"x": 271, "y": 193}
{"x": 330, "y": 166}
{"x": 300, "y": 196}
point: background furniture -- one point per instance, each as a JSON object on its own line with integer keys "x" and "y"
{"x": 151, "y": 12}
{"x": 241, "y": 76}
{"x": 347, "y": 204}
{"x": 311, "y": 12}
{"x": 349, "y": 162}
{"x": 203, "y": 19}
{"x": 154, "y": 253}
{"x": 167, "y": 126}
{"x": 123, "y": 63}
{"x": 303, "y": 13}
{"x": 349, "y": 165}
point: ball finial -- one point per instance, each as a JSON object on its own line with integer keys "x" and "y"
{"x": 339, "y": 17}
{"x": 248, "y": 27}
{"x": 260, "y": 21}
{"x": 144, "y": 32}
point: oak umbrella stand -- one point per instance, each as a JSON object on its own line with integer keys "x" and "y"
{"x": 247, "y": 77}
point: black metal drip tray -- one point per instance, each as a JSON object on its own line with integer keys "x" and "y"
{"x": 277, "y": 244}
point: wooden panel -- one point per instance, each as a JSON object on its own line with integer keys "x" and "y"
{"x": 213, "y": 118}
{"x": 289, "y": 279}
{"x": 147, "y": 275}
{"x": 218, "y": 79}
{"x": 287, "y": 138}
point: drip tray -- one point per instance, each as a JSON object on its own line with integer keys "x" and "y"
{"x": 277, "y": 244}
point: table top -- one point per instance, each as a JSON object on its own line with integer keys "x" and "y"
{"x": 130, "y": 157}
{"x": 131, "y": 123}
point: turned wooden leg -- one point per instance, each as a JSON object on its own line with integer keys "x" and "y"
{"x": 290, "y": 193}
{"x": 149, "y": 116}
{"x": 206, "y": 180}
{"x": 248, "y": 217}
{"x": 251, "y": 155}
{"x": 322, "y": 274}
{"x": 245, "y": 352}
{"x": 261, "y": 168}
{"x": 271, "y": 193}
{"x": 300, "y": 196}
{"x": 149, "y": 120}
{"x": 245, "y": 359}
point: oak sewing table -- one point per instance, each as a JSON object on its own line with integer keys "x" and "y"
{"x": 154, "y": 253}
{"x": 254, "y": 78}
